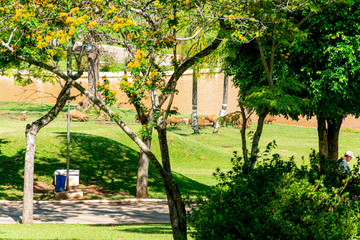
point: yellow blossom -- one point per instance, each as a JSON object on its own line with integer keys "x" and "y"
{"x": 112, "y": 10}
{"x": 74, "y": 10}
{"x": 154, "y": 74}
{"x": 48, "y": 38}
{"x": 92, "y": 24}
{"x": 63, "y": 14}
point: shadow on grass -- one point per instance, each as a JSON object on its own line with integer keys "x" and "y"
{"x": 149, "y": 229}
{"x": 11, "y": 172}
{"x": 103, "y": 162}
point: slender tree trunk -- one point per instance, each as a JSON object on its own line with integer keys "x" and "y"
{"x": 195, "y": 123}
{"x": 143, "y": 168}
{"x": 243, "y": 134}
{"x": 143, "y": 172}
{"x": 256, "y": 139}
{"x": 224, "y": 104}
{"x": 30, "y": 133}
{"x": 28, "y": 209}
{"x": 176, "y": 205}
{"x": 323, "y": 136}
{"x": 93, "y": 77}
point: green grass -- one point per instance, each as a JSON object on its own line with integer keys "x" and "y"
{"x": 78, "y": 232}
{"x": 107, "y": 158}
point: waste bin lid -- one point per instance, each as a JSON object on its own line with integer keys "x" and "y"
{"x": 72, "y": 172}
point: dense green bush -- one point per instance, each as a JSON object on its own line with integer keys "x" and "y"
{"x": 278, "y": 200}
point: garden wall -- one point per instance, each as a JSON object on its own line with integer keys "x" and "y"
{"x": 210, "y": 92}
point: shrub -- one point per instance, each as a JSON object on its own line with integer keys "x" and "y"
{"x": 276, "y": 200}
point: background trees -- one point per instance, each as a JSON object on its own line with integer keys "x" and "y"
{"x": 258, "y": 65}
{"x": 327, "y": 62}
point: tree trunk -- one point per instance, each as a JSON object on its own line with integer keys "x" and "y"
{"x": 333, "y": 138}
{"x": 28, "y": 208}
{"x": 256, "y": 139}
{"x": 224, "y": 104}
{"x": 243, "y": 134}
{"x": 323, "y": 136}
{"x": 143, "y": 172}
{"x": 30, "y": 133}
{"x": 143, "y": 168}
{"x": 93, "y": 77}
{"x": 195, "y": 123}
{"x": 176, "y": 205}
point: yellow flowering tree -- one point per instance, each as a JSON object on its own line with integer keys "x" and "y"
{"x": 36, "y": 35}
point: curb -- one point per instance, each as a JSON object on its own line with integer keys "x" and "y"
{"x": 123, "y": 201}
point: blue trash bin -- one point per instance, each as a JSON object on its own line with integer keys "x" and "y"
{"x": 60, "y": 183}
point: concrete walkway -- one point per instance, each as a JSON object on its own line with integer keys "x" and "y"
{"x": 129, "y": 211}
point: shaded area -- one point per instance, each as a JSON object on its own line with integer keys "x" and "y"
{"x": 189, "y": 187}
{"x": 92, "y": 213}
{"x": 102, "y": 162}
{"x": 11, "y": 173}
{"x": 108, "y": 169}
{"x": 161, "y": 229}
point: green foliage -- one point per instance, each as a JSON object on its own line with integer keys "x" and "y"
{"x": 250, "y": 76}
{"x": 278, "y": 200}
{"x": 327, "y": 62}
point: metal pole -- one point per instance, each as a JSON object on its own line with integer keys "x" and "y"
{"x": 68, "y": 148}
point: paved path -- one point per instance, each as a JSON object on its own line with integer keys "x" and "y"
{"x": 92, "y": 212}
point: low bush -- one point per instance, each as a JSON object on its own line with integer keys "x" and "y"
{"x": 278, "y": 200}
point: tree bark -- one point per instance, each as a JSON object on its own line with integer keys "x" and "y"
{"x": 243, "y": 134}
{"x": 323, "y": 136}
{"x": 143, "y": 172}
{"x": 93, "y": 77}
{"x": 176, "y": 205}
{"x": 224, "y": 104}
{"x": 195, "y": 123}
{"x": 256, "y": 139}
{"x": 333, "y": 138}
{"x": 30, "y": 133}
{"x": 28, "y": 208}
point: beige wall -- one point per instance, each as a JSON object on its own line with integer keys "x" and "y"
{"x": 210, "y": 92}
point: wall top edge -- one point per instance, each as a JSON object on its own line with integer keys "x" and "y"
{"x": 119, "y": 74}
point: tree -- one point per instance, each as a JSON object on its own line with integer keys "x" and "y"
{"x": 35, "y": 36}
{"x": 65, "y": 23}
{"x": 224, "y": 104}
{"x": 327, "y": 62}
{"x": 258, "y": 67}
{"x": 94, "y": 53}
{"x": 195, "y": 123}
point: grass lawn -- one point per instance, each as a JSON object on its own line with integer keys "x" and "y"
{"x": 86, "y": 232}
{"x": 107, "y": 158}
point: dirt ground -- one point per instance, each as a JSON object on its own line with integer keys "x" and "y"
{"x": 349, "y": 123}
